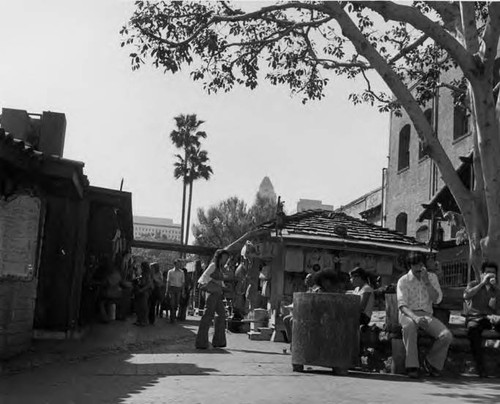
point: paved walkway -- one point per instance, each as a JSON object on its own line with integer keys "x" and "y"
{"x": 172, "y": 371}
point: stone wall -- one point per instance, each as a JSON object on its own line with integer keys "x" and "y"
{"x": 17, "y": 306}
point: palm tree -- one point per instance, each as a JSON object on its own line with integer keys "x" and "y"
{"x": 198, "y": 168}
{"x": 185, "y": 137}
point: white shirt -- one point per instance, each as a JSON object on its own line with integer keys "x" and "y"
{"x": 412, "y": 292}
{"x": 175, "y": 277}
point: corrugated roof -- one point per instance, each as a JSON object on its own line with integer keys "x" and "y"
{"x": 339, "y": 227}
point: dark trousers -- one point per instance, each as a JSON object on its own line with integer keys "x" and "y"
{"x": 213, "y": 305}
{"x": 141, "y": 307}
{"x": 288, "y": 323}
{"x": 175, "y": 299}
{"x": 154, "y": 303}
{"x": 475, "y": 327}
{"x": 183, "y": 305}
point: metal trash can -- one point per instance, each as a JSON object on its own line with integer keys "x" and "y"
{"x": 325, "y": 331}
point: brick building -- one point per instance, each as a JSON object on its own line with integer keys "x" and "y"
{"x": 412, "y": 178}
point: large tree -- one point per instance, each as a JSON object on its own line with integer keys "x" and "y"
{"x": 304, "y": 44}
{"x": 222, "y": 224}
{"x": 186, "y": 137}
{"x": 198, "y": 168}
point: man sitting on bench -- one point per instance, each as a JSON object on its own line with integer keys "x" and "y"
{"x": 416, "y": 292}
{"x": 482, "y": 299}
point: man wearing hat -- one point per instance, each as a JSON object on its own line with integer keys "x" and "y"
{"x": 417, "y": 291}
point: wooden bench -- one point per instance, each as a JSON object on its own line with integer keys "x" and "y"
{"x": 452, "y": 302}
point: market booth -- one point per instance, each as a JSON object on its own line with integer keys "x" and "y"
{"x": 278, "y": 257}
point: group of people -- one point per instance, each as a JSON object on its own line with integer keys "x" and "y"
{"x": 419, "y": 289}
{"x": 156, "y": 292}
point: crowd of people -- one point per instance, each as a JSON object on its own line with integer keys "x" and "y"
{"x": 157, "y": 293}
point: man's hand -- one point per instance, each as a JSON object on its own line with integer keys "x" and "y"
{"x": 487, "y": 277}
{"x": 425, "y": 276}
{"x": 421, "y": 322}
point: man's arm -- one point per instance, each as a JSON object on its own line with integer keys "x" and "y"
{"x": 431, "y": 282}
{"x": 475, "y": 286}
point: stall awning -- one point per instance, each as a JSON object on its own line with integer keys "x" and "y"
{"x": 444, "y": 196}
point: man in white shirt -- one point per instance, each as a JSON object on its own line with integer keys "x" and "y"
{"x": 417, "y": 291}
{"x": 175, "y": 285}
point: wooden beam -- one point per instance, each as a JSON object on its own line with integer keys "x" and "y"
{"x": 158, "y": 245}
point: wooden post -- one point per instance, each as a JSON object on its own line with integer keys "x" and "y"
{"x": 393, "y": 327}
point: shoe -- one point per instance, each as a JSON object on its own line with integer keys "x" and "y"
{"x": 413, "y": 373}
{"x": 219, "y": 346}
{"x": 431, "y": 370}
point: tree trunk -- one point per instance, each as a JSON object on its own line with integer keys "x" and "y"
{"x": 189, "y": 211}
{"x": 183, "y": 208}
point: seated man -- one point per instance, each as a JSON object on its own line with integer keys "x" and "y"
{"x": 416, "y": 292}
{"x": 482, "y": 299}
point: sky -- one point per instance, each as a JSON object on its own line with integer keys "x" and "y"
{"x": 65, "y": 56}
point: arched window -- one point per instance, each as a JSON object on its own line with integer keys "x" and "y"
{"x": 460, "y": 122}
{"x": 428, "y": 116}
{"x": 404, "y": 147}
{"x": 422, "y": 234}
{"x": 402, "y": 223}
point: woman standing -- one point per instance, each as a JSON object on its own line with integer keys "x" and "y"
{"x": 142, "y": 293}
{"x": 211, "y": 281}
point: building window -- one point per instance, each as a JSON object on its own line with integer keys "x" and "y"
{"x": 421, "y": 152}
{"x": 460, "y": 122}
{"x": 404, "y": 148}
{"x": 402, "y": 223}
{"x": 422, "y": 234}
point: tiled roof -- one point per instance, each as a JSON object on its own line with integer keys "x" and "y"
{"x": 342, "y": 228}
{"x": 8, "y": 139}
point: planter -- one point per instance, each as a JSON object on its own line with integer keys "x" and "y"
{"x": 325, "y": 330}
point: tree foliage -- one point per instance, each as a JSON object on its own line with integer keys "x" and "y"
{"x": 222, "y": 224}
{"x": 306, "y": 45}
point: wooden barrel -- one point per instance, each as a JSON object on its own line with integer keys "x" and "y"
{"x": 325, "y": 330}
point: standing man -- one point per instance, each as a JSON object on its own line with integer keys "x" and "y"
{"x": 417, "y": 291}
{"x": 482, "y": 299}
{"x": 175, "y": 284}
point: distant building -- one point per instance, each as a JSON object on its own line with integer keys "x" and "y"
{"x": 308, "y": 204}
{"x": 159, "y": 228}
{"x": 266, "y": 189}
{"x": 367, "y": 207}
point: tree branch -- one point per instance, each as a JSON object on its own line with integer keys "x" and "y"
{"x": 449, "y": 13}
{"x": 491, "y": 35}
{"x": 408, "y": 49}
{"x": 451, "y": 87}
{"x": 369, "y": 89}
{"x": 404, "y": 96}
{"x": 469, "y": 28}
{"x": 411, "y": 15}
